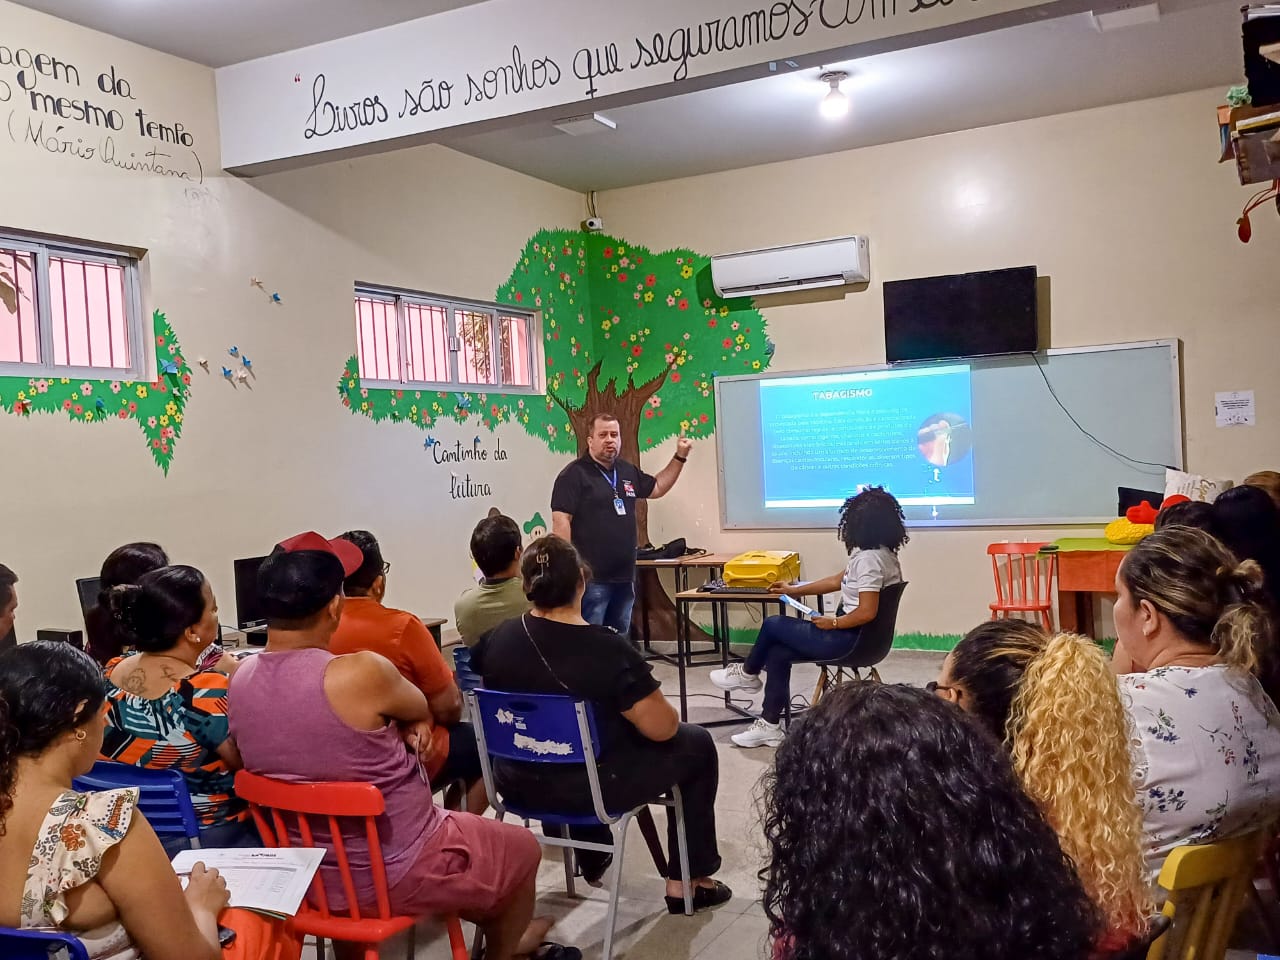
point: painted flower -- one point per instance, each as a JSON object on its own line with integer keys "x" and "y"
{"x": 670, "y": 358}
{"x": 171, "y": 408}
{"x": 164, "y": 447}
{"x": 177, "y": 418}
{"x": 727, "y": 343}
{"x": 707, "y": 302}
{"x": 133, "y": 407}
{"x": 123, "y": 414}
{"x": 88, "y": 415}
{"x": 755, "y": 364}
{"x": 66, "y": 404}
{"x": 77, "y": 409}
{"x": 364, "y": 392}
{"x": 636, "y": 295}
{"x": 671, "y": 301}
{"x": 151, "y": 422}
{"x": 608, "y": 252}
{"x": 686, "y": 271}
{"x": 648, "y": 296}
{"x": 622, "y": 278}
{"x": 42, "y": 386}
{"x": 186, "y": 379}
{"x": 675, "y": 377}
{"x": 160, "y": 341}
{"x": 637, "y": 350}
{"x": 684, "y": 304}
{"x": 650, "y": 280}
{"x": 156, "y": 444}
{"x": 142, "y": 392}
{"x": 164, "y": 419}
{"x": 624, "y": 262}
{"x": 724, "y": 311}
{"x": 166, "y": 433}
{"x": 115, "y": 387}
{"x": 712, "y": 323}
{"x": 648, "y": 414}
{"x": 740, "y": 339}
{"x": 655, "y": 401}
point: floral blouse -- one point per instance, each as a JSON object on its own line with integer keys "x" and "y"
{"x": 1206, "y": 744}
{"x": 76, "y": 834}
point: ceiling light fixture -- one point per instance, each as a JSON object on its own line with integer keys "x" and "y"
{"x": 836, "y": 103}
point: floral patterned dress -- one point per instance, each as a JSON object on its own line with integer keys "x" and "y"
{"x": 1206, "y": 743}
{"x": 76, "y": 833}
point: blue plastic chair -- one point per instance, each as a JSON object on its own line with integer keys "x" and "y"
{"x": 39, "y": 945}
{"x": 163, "y": 796}
{"x": 554, "y": 729}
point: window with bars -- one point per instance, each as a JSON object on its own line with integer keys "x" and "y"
{"x": 407, "y": 338}
{"x": 68, "y": 310}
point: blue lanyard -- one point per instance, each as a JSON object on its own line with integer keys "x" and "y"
{"x": 614, "y": 482}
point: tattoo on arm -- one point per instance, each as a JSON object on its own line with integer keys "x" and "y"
{"x": 136, "y": 682}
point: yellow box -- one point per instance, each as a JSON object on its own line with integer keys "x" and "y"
{"x": 761, "y": 568}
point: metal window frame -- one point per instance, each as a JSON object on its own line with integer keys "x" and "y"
{"x": 137, "y": 334}
{"x": 452, "y": 307}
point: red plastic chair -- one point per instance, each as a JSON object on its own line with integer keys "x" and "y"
{"x": 277, "y": 806}
{"x": 1025, "y": 584}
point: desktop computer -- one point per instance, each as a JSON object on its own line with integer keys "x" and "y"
{"x": 250, "y": 617}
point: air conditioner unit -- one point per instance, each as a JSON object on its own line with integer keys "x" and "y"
{"x": 802, "y": 266}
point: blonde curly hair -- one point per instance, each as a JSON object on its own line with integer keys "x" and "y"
{"x": 1068, "y": 732}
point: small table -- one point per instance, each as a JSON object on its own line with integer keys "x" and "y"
{"x": 433, "y": 625}
{"x": 720, "y": 637}
{"x": 713, "y": 563}
{"x": 1087, "y": 568}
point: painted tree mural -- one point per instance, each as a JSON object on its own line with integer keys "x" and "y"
{"x": 157, "y": 406}
{"x": 626, "y": 330}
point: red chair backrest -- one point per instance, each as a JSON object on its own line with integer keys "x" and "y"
{"x": 1024, "y": 580}
{"x": 282, "y": 811}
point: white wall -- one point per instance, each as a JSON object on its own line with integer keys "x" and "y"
{"x": 253, "y": 466}
{"x": 1123, "y": 207}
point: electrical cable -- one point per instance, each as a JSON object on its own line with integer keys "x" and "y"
{"x": 1070, "y": 416}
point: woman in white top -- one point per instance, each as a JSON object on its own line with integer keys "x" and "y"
{"x": 1193, "y": 622}
{"x": 872, "y": 530}
{"x": 85, "y": 863}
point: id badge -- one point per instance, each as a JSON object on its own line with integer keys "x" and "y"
{"x": 619, "y": 506}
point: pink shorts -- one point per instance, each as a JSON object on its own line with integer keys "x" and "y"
{"x": 471, "y": 865}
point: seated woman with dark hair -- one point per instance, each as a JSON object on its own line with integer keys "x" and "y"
{"x": 164, "y": 711}
{"x": 1195, "y": 624}
{"x": 1055, "y": 705}
{"x": 89, "y": 864}
{"x": 896, "y": 827}
{"x": 873, "y": 530}
{"x": 552, "y": 649}
{"x": 106, "y": 638}
{"x": 1247, "y": 521}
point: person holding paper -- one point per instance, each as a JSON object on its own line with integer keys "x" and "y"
{"x": 873, "y": 531}
{"x": 89, "y": 864}
{"x": 301, "y": 714}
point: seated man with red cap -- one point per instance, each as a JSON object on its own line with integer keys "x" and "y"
{"x": 300, "y": 714}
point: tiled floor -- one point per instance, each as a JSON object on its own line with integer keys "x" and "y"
{"x": 736, "y": 931}
{"x": 645, "y": 930}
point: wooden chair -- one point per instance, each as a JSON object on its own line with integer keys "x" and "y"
{"x": 1024, "y": 582}
{"x": 291, "y": 814}
{"x": 1207, "y": 886}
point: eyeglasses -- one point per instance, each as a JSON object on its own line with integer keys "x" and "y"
{"x": 944, "y": 690}
{"x": 386, "y": 568}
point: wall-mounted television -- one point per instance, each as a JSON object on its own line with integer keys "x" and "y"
{"x": 964, "y": 315}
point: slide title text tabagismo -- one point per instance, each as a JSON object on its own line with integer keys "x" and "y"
{"x": 862, "y": 394}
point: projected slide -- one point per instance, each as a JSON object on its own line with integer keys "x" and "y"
{"x": 908, "y": 430}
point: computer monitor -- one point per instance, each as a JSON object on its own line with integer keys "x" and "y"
{"x": 88, "y": 589}
{"x": 249, "y": 613}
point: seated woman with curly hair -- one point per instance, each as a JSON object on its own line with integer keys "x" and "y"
{"x": 897, "y": 828}
{"x": 1055, "y": 704}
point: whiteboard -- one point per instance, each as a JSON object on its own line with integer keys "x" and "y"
{"x": 1032, "y": 465}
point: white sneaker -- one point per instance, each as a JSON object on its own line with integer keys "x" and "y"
{"x": 733, "y": 677}
{"x": 762, "y": 733}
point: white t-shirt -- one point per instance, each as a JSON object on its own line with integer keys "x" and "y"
{"x": 1206, "y": 744}
{"x": 869, "y": 571}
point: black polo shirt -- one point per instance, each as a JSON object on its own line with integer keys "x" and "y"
{"x": 604, "y": 538}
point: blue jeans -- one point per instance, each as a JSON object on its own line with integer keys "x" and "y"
{"x": 609, "y": 605}
{"x": 785, "y": 640}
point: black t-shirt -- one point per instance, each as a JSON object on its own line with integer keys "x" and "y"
{"x": 605, "y": 539}
{"x": 589, "y": 662}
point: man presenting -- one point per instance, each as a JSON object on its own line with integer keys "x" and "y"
{"x": 593, "y": 505}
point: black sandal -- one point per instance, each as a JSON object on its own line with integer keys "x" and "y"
{"x": 703, "y": 898}
{"x": 549, "y": 950}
